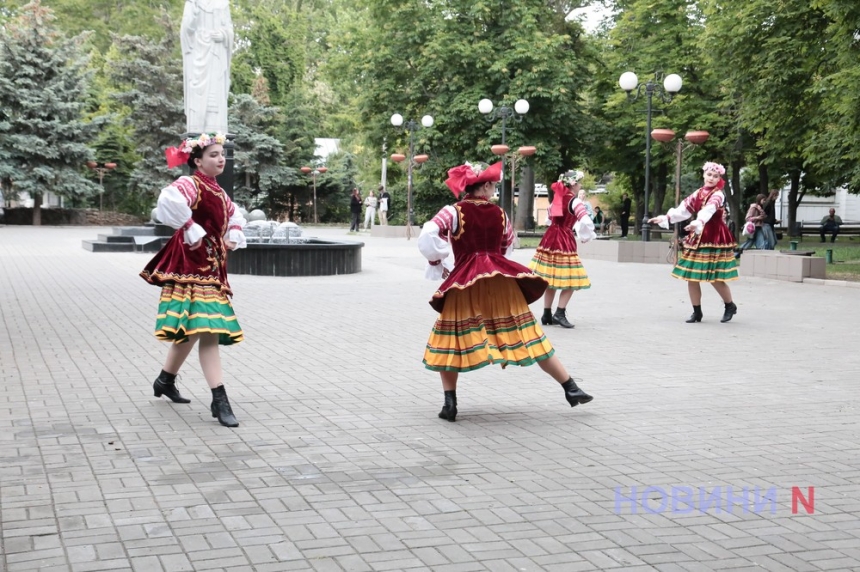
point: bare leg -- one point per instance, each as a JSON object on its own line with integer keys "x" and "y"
{"x": 177, "y": 354}
{"x": 564, "y": 298}
{"x": 210, "y": 360}
{"x": 449, "y": 380}
{"x": 554, "y": 367}
{"x": 548, "y": 298}
{"x": 695, "y": 290}
{"x": 723, "y": 290}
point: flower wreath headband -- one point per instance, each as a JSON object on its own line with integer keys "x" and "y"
{"x": 178, "y": 156}
{"x": 571, "y": 177}
{"x": 715, "y": 167}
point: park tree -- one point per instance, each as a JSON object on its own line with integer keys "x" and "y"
{"x": 834, "y": 144}
{"x": 43, "y": 87}
{"x": 654, "y": 40}
{"x": 415, "y": 58}
{"x": 146, "y": 79}
{"x": 768, "y": 55}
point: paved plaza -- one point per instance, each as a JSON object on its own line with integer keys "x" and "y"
{"x": 687, "y": 458}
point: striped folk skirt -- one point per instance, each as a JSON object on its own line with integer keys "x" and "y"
{"x": 188, "y": 309}
{"x": 707, "y": 264}
{"x": 563, "y": 270}
{"x": 487, "y": 323}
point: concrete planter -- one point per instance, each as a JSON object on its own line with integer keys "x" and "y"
{"x": 625, "y": 251}
{"x": 778, "y": 266}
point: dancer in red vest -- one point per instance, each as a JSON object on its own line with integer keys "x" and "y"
{"x": 555, "y": 259}
{"x": 192, "y": 270}
{"x": 484, "y": 317}
{"x": 707, "y": 253}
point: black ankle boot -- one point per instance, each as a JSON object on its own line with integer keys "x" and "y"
{"x": 731, "y": 310}
{"x": 449, "y": 410}
{"x": 696, "y": 315}
{"x": 221, "y": 408}
{"x": 165, "y": 384}
{"x": 574, "y": 394}
{"x": 560, "y": 318}
{"x": 546, "y": 319}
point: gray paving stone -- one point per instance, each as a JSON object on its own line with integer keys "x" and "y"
{"x": 341, "y": 464}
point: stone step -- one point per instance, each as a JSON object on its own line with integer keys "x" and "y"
{"x": 115, "y": 238}
{"x": 101, "y": 246}
{"x": 149, "y": 243}
{"x": 134, "y": 231}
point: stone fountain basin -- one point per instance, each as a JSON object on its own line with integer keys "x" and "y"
{"x": 300, "y": 257}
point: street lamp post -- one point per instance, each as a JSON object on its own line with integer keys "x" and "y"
{"x": 671, "y": 85}
{"x": 411, "y": 126}
{"x": 102, "y": 169}
{"x": 314, "y": 173}
{"x": 695, "y": 138}
{"x": 520, "y": 108}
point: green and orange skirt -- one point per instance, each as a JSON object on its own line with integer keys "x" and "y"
{"x": 487, "y": 323}
{"x": 188, "y": 309}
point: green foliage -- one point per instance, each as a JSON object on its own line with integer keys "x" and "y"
{"x": 146, "y": 79}
{"x": 416, "y": 58}
{"x": 43, "y": 87}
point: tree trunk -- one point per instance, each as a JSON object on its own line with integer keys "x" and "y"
{"x": 763, "y": 180}
{"x": 794, "y": 199}
{"x": 525, "y": 204}
{"x": 37, "y": 209}
{"x": 638, "y": 198}
{"x": 733, "y": 196}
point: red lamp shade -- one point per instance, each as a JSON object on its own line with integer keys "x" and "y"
{"x": 421, "y": 158}
{"x": 664, "y": 135}
{"x": 305, "y": 170}
{"x": 110, "y": 165}
{"x": 398, "y": 157}
{"x": 92, "y": 164}
{"x": 322, "y": 169}
{"x": 499, "y": 149}
{"x": 527, "y": 150}
{"x": 697, "y": 137}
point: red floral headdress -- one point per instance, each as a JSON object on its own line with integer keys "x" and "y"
{"x": 472, "y": 174}
{"x": 559, "y": 188}
{"x": 178, "y": 156}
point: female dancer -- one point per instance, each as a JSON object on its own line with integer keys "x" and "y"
{"x": 483, "y": 304}
{"x": 556, "y": 259}
{"x": 707, "y": 253}
{"x": 192, "y": 270}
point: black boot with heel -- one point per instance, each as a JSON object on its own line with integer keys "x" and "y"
{"x": 696, "y": 316}
{"x": 165, "y": 384}
{"x": 560, "y": 318}
{"x": 546, "y": 319}
{"x": 574, "y": 394}
{"x": 221, "y": 408}
{"x": 449, "y": 410}
{"x": 731, "y": 310}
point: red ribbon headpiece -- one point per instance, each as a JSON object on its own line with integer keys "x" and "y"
{"x": 471, "y": 174}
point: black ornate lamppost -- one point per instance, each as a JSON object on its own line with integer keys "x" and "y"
{"x": 520, "y": 108}
{"x": 411, "y": 126}
{"x": 102, "y": 169}
{"x": 671, "y": 85}
{"x": 314, "y": 172}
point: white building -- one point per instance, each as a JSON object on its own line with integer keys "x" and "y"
{"x": 813, "y": 209}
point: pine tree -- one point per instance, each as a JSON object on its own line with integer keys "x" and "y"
{"x": 43, "y": 92}
{"x": 147, "y": 77}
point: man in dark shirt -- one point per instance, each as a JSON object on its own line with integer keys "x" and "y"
{"x": 830, "y": 224}
{"x": 625, "y": 215}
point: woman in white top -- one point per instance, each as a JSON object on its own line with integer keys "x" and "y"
{"x": 370, "y": 210}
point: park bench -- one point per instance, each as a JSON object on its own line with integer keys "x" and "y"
{"x": 813, "y": 228}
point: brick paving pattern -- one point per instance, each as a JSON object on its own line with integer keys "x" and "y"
{"x": 340, "y": 463}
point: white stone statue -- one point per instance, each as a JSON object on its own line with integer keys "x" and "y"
{"x": 207, "y": 45}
